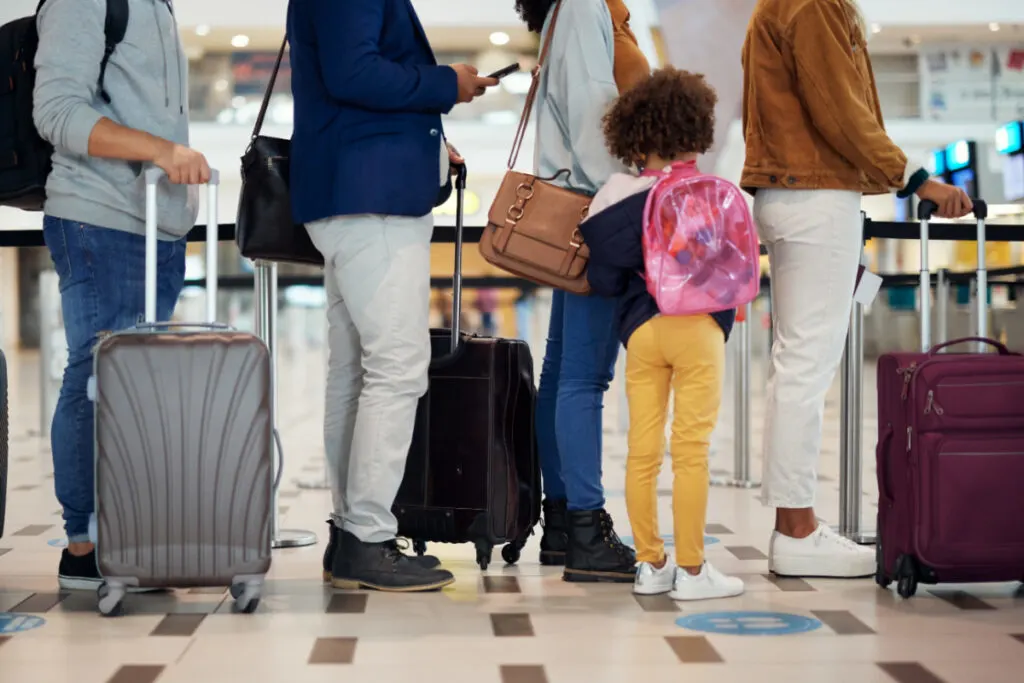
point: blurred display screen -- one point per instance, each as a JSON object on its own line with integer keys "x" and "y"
{"x": 966, "y": 181}
{"x": 1013, "y": 178}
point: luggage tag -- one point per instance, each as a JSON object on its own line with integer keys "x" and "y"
{"x": 868, "y": 284}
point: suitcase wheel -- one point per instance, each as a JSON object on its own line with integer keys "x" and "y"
{"x": 246, "y": 595}
{"x": 483, "y": 554}
{"x": 906, "y": 573}
{"x": 111, "y": 599}
{"x": 881, "y": 578}
{"x": 511, "y": 553}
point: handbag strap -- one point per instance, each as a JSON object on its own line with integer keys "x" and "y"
{"x": 258, "y": 128}
{"x": 524, "y": 119}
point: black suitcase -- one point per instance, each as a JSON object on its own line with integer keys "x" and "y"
{"x": 473, "y": 475}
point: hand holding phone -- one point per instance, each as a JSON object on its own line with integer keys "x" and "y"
{"x": 506, "y": 71}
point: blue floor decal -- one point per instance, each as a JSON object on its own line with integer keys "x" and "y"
{"x": 11, "y": 622}
{"x": 670, "y": 540}
{"x": 749, "y": 623}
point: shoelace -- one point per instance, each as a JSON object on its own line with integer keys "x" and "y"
{"x": 824, "y": 535}
{"x": 612, "y": 538}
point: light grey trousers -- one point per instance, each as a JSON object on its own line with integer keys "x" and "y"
{"x": 377, "y": 279}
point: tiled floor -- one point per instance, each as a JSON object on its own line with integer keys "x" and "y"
{"x": 511, "y": 624}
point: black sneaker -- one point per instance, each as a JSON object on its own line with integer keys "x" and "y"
{"x": 426, "y": 561}
{"x": 78, "y": 572}
{"x": 555, "y": 539}
{"x": 382, "y": 567}
{"x": 595, "y": 553}
{"x": 81, "y": 573}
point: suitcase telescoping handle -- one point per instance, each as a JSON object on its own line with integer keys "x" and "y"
{"x": 153, "y": 176}
{"x": 925, "y": 211}
{"x": 460, "y": 209}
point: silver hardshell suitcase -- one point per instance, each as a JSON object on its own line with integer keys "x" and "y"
{"x": 184, "y": 447}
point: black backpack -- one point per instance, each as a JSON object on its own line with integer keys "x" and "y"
{"x": 25, "y": 158}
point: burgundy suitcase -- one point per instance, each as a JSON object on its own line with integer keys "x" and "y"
{"x": 183, "y": 448}
{"x": 4, "y": 433}
{"x": 472, "y": 475}
{"x": 950, "y": 454}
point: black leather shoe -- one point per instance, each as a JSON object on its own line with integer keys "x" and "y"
{"x": 382, "y": 567}
{"x": 555, "y": 539}
{"x": 427, "y": 561}
{"x": 595, "y": 554}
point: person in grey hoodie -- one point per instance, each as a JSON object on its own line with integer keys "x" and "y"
{"x": 94, "y": 223}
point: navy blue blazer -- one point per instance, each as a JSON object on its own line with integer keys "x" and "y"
{"x": 369, "y": 95}
{"x": 616, "y": 266}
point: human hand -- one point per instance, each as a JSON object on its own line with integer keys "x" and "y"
{"x": 952, "y": 201}
{"x": 454, "y": 158}
{"x": 471, "y": 85}
{"x": 183, "y": 165}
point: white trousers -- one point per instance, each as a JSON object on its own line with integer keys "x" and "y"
{"x": 377, "y": 279}
{"x": 814, "y": 240}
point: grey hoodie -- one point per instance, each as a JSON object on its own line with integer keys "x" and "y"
{"x": 147, "y": 83}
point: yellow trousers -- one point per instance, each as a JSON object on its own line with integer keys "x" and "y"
{"x": 682, "y": 356}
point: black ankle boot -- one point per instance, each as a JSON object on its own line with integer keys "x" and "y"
{"x": 555, "y": 539}
{"x": 595, "y": 553}
{"x": 383, "y": 567}
{"x": 426, "y": 561}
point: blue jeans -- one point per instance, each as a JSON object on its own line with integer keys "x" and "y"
{"x": 102, "y": 288}
{"x": 578, "y": 366}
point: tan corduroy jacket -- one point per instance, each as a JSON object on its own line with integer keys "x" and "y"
{"x": 811, "y": 116}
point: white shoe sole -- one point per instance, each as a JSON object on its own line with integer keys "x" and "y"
{"x": 68, "y": 583}
{"x": 797, "y": 567}
{"x": 652, "y": 590}
{"x": 678, "y": 597}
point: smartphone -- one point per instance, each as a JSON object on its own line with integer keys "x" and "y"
{"x": 507, "y": 71}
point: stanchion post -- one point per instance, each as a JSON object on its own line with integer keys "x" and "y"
{"x": 981, "y": 300}
{"x": 741, "y": 406}
{"x": 52, "y": 348}
{"x": 265, "y": 311}
{"x": 851, "y": 425}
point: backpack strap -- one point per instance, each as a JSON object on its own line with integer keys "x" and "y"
{"x": 114, "y": 30}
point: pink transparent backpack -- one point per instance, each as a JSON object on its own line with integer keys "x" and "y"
{"x": 701, "y": 252}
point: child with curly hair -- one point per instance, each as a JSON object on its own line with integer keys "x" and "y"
{"x": 664, "y": 122}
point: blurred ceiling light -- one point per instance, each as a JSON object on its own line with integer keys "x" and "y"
{"x": 240, "y": 41}
{"x": 876, "y": 28}
{"x": 500, "y": 38}
{"x": 221, "y": 85}
{"x": 202, "y": 30}
{"x": 994, "y": 26}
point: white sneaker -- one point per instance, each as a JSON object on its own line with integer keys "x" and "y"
{"x": 653, "y": 581}
{"x": 710, "y": 584}
{"x": 823, "y": 554}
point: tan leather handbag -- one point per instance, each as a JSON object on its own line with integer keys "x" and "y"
{"x": 533, "y": 226}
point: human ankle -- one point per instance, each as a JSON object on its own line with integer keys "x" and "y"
{"x": 694, "y": 571}
{"x": 80, "y": 549}
{"x": 660, "y": 564}
{"x": 796, "y": 522}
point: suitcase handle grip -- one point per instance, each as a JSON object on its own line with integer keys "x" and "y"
{"x": 219, "y": 327}
{"x": 927, "y": 208}
{"x": 882, "y": 462}
{"x": 1003, "y": 351}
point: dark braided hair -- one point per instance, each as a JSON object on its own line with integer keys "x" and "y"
{"x": 534, "y": 12}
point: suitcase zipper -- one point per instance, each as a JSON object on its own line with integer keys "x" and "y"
{"x": 908, "y": 375}
{"x": 910, "y": 432}
{"x": 932, "y": 405}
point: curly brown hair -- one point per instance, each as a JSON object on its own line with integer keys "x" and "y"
{"x": 670, "y": 113}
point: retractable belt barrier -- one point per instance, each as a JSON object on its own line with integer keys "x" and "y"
{"x": 266, "y": 282}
